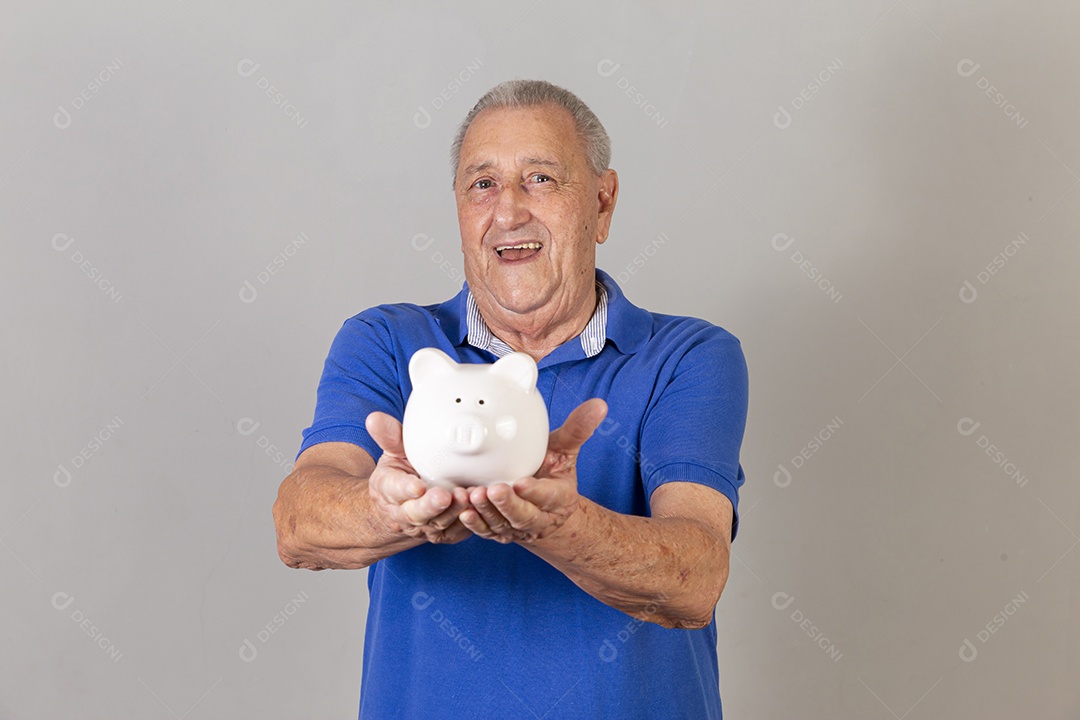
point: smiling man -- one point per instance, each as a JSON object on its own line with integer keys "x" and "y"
{"x": 588, "y": 590}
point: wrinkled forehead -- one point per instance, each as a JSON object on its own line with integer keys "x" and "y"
{"x": 539, "y": 134}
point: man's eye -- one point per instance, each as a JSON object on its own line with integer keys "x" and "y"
{"x": 482, "y": 184}
{"x": 540, "y": 178}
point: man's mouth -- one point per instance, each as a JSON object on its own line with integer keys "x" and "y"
{"x": 519, "y": 251}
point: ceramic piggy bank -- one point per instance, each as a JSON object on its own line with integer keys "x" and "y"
{"x": 474, "y": 424}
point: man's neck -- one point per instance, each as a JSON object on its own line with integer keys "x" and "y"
{"x": 541, "y": 331}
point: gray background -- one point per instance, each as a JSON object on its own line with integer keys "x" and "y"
{"x": 162, "y": 362}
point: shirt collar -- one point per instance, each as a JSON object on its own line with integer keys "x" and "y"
{"x": 592, "y": 337}
{"x": 616, "y": 319}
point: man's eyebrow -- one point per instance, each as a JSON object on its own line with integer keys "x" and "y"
{"x": 478, "y": 167}
{"x": 541, "y": 161}
{"x": 488, "y": 165}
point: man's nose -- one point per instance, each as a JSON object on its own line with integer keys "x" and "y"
{"x": 512, "y": 207}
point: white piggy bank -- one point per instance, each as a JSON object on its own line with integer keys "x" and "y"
{"x": 474, "y": 424}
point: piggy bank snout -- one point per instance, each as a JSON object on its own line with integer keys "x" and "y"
{"x": 466, "y": 434}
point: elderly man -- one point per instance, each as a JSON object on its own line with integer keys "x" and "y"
{"x": 588, "y": 590}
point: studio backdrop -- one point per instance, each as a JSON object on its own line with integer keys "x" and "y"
{"x": 879, "y": 199}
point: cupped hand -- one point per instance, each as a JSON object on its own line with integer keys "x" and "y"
{"x": 534, "y": 507}
{"x": 402, "y": 500}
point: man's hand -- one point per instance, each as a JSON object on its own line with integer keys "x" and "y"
{"x": 405, "y": 504}
{"x": 535, "y": 507}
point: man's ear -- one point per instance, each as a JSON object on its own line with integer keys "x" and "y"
{"x": 607, "y": 195}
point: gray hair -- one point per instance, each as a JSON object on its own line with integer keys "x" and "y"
{"x": 529, "y": 93}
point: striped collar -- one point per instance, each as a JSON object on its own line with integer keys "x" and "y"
{"x": 592, "y": 337}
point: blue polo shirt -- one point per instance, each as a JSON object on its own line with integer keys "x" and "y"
{"x": 483, "y": 630}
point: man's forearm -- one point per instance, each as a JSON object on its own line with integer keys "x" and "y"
{"x": 325, "y": 518}
{"x": 670, "y": 571}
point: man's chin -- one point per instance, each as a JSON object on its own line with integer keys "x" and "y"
{"x": 519, "y": 305}
{"x": 520, "y": 300}
{"x": 516, "y": 289}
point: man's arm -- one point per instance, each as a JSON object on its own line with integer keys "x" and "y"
{"x": 340, "y": 509}
{"x": 669, "y": 569}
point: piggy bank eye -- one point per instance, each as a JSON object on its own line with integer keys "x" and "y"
{"x": 480, "y": 401}
{"x": 457, "y": 400}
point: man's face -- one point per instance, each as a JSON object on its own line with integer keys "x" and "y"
{"x": 530, "y": 208}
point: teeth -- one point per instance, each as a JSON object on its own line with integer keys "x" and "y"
{"x": 522, "y": 246}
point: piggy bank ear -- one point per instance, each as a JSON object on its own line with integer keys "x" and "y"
{"x": 519, "y": 368}
{"x": 428, "y": 363}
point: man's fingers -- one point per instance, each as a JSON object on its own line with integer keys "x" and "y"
{"x": 428, "y": 506}
{"x": 449, "y": 516}
{"x": 397, "y": 486}
{"x": 506, "y": 511}
{"x": 481, "y": 500}
{"x": 453, "y": 534}
{"x": 386, "y": 431}
{"x": 474, "y": 521}
{"x": 461, "y": 496}
{"x": 476, "y": 524}
{"x": 579, "y": 427}
{"x": 544, "y": 494}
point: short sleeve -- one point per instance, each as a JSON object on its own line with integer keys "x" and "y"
{"x": 693, "y": 431}
{"x": 359, "y": 377}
